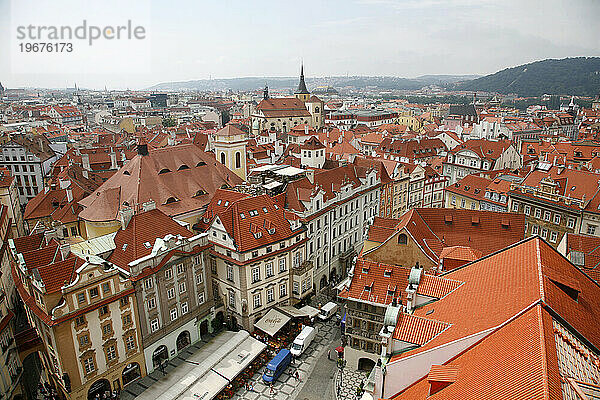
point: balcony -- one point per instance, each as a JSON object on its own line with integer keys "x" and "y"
{"x": 302, "y": 268}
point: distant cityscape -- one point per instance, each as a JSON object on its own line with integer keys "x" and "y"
{"x": 403, "y": 238}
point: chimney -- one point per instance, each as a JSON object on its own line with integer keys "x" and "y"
{"x": 113, "y": 159}
{"x": 85, "y": 174}
{"x": 65, "y": 249}
{"x": 149, "y": 205}
{"x": 41, "y": 143}
{"x": 310, "y": 174}
{"x": 142, "y": 147}
{"x": 69, "y": 194}
{"x": 125, "y": 215}
{"x": 85, "y": 161}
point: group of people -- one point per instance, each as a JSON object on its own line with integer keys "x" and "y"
{"x": 108, "y": 395}
{"x": 47, "y": 391}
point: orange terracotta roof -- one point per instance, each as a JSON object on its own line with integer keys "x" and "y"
{"x": 417, "y": 330}
{"x": 137, "y": 240}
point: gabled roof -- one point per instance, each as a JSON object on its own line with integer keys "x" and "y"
{"x": 137, "y": 240}
{"x": 252, "y": 221}
{"x": 511, "y": 299}
{"x": 584, "y": 252}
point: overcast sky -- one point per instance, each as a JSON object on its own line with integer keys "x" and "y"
{"x": 189, "y": 40}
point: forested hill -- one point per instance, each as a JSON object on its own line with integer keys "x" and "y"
{"x": 577, "y": 76}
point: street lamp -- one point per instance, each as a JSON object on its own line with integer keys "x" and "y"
{"x": 341, "y": 363}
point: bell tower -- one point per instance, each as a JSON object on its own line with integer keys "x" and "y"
{"x": 302, "y": 92}
{"x": 230, "y": 149}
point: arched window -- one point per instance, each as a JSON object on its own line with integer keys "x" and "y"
{"x": 238, "y": 159}
{"x": 164, "y": 171}
{"x": 171, "y": 200}
{"x": 402, "y": 239}
{"x": 183, "y": 166}
{"x": 223, "y": 158}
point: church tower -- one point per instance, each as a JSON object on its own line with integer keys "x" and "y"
{"x": 302, "y": 92}
{"x": 230, "y": 149}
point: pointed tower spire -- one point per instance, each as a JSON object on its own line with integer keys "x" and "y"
{"x": 266, "y": 92}
{"x": 302, "y": 85}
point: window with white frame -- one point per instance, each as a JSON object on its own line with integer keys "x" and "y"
{"x": 256, "y": 300}
{"x": 130, "y": 342}
{"x": 230, "y": 273}
{"x": 538, "y": 213}
{"x": 535, "y": 229}
{"x": 168, "y": 273}
{"x": 515, "y": 207}
{"x": 199, "y": 278}
{"x": 184, "y": 307}
{"x": 255, "y": 274}
{"x": 231, "y": 299}
{"x": 197, "y": 260}
{"x": 270, "y": 295}
{"x": 148, "y": 283}
{"x": 527, "y": 210}
{"x": 170, "y": 293}
{"x": 154, "y": 325}
{"x": 269, "y": 269}
{"x": 173, "y": 314}
{"x": 557, "y": 219}
{"x": 151, "y": 303}
{"x": 570, "y": 223}
{"x": 591, "y": 229}
{"x": 544, "y": 233}
{"x": 180, "y": 269}
{"x": 111, "y": 353}
{"x": 547, "y": 215}
{"x": 553, "y": 236}
{"x": 200, "y": 298}
{"x": 282, "y": 290}
{"x": 282, "y": 267}
{"x": 88, "y": 365}
{"x": 181, "y": 287}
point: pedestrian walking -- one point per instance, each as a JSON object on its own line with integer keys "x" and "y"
{"x": 271, "y": 389}
{"x": 329, "y": 354}
{"x": 297, "y": 376}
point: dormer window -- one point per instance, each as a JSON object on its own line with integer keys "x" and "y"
{"x": 387, "y": 273}
{"x": 242, "y": 215}
{"x": 271, "y": 231}
{"x": 253, "y": 213}
{"x": 164, "y": 171}
{"x": 257, "y": 235}
{"x": 367, "y": 288}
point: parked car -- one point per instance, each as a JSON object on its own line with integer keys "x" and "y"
{"x": 328, "y": 310}
{"x": 277, "y": 365}
{"x": 303, "y": 340}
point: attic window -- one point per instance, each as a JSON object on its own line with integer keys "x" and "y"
{"x": 387, "y": 273}
{"x": 253, "y": 213}
{"x": 242, "y": 216}
{"x": 147, "y": 245}
{"x": 226, "y": 203}
{"x": 164, "y": 171}
{"x": 200, "y": 193}
{"x": 391, "y": 292}
{"x": 258, "y": 235}
{"x": 124, "y": 247}
{"x": 448, "y": 219}
{"x": 171, "y": 200}
{"x": 505, "y": 223}
{"x": 265, "y": 210}
{"x": 182, "y": 166}
{"x": 219, "y": 202}
{"x": 271, "y": 231}
{"x": 200, "y": 164}
{"x": 402, "y": 238}
{"x": 365, "y": 270}
{"x": 367, "y": 288}
{"x": 276, "y": 206}
{"x": 126, "y": 173}
{"x": 474, "y": 220}
{"x": 477, "y": 191}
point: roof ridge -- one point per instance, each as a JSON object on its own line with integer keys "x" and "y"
{"x": 539, "y": 267}
{"x": 543, "y": 354}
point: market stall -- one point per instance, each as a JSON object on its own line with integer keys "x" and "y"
{"x": 272, "y": 322}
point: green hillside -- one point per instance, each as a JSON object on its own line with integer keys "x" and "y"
{"x": 571, "y": 76}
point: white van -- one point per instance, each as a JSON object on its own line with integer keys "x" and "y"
{"x": 303, "y": 340}
{"x": 328, "y": 310}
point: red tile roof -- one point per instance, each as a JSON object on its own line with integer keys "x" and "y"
{"x": 252, "y": 221}
{"x": 178, "y": 179}
{"x": 417, "y": 330}
{"x": 137, "y": 240}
